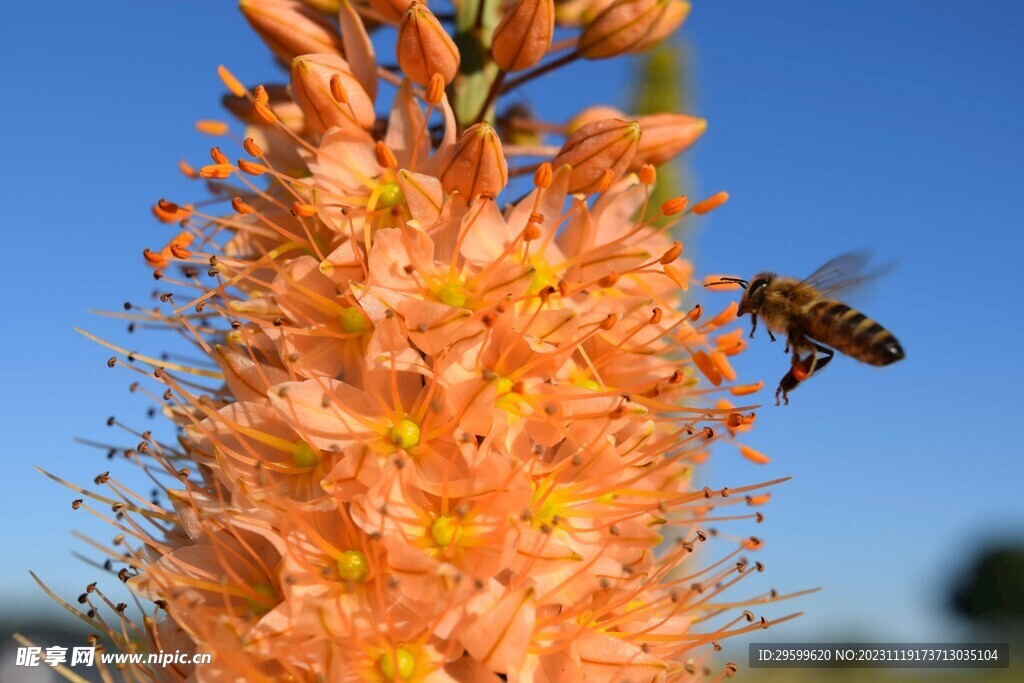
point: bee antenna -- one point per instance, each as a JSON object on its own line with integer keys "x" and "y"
{"x": 728, "y": 281}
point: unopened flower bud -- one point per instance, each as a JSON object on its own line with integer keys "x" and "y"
{"x": 630, "y": 26}
{"x": 579, "y": 12}
{"x": 392, "y": 10}
{"x": 424, "y": 48}
{"x": 598, "y": 147}
{"x": 328, "y": 6}
{"x": 665, "y": 136}
{"x": 311, "y": 86}
{"x": 598, "y": 112}
{"x": 475, "y": 165}
{"x": 291, "y": 28}
{"x": 524, "y": 34}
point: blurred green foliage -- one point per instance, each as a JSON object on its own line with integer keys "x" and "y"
{"x": 991, "y": 592}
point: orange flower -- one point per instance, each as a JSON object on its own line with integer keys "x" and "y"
{"x": 440, "y": 433}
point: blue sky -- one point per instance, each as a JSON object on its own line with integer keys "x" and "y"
{"x": 894, "y": 126}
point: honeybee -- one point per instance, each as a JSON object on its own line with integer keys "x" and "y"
{"x": 815, "y": 323}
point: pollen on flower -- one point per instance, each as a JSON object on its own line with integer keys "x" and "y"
{"x": 352, "y": 566}
{"x": 406, "y": 434}
{"x": 391, "y": 195}
{"x": 435, "y": 421}
{"x": 304, "y": 455}
{"x": 445, "y": 531}
{"x": 397, "y": 665}
{"x": 452, "y": 294}
{"x": 353, "y": 320}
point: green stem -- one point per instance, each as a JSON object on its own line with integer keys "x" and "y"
{"x": 492, "y": 95}
{"x": 474, "y": 26}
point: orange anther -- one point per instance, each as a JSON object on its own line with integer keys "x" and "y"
{"x": 695, "y": 313}
{"x": 169, "y": 212}
{"x": 677, "y": 277}
{"x": 723, "y": 365}
{"x": 338, "y": 89}
{"x": 754, "y": 456}
{"x": 264, "y": 112}
{"x": 216, "y": 171}
{"x": 154, "y": 259}
{"x": 707, "y": 367}
{"x": 385, "y": 157}
{"x": 261, "y": 95}
{"x": 232, "y": 83}
{"x": 218, "y": 156}
{"x": 725, "y": 316}
{"x": 531, "y": 232}
{"x": 542, "y": 176}
{"x": 252, "y": 148}
{"x": 251, "y": 168}
{"x": 711, "y": 203}
{"x": 609, "y": 280}
{"x": 187, "y": 170}
{"x": 656, "y": 316}
{"x": 240, "y": 206}
{"x": 212, "y": 127}
{"x": 647, "y": 174}
{"x": 183, "y": 238}
{"x": 304, "y": 210}
{"x": 179, "y": 251}
{"x": 609, "y": 322}
{"x": 435, "y": 89}
{"x": 730, "y": 343}
{"x": 672, "y": 254}
{"x": 759, "y": 500}
{"x": 675, "y": 205}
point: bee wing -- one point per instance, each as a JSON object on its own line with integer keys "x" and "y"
{"x": 843, "y": 273}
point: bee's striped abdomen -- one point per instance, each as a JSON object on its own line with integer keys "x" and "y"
{"x": 849, "y": 331}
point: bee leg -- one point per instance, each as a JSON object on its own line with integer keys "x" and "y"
{"x": 753, "y": 324}
{"x": 803, "y": 368}
{"x": 819, "y": 363}
{"x": 787, "y": 384}
{"x": 797, "y": 370}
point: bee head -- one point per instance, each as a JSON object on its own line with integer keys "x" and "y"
{"x": 753, "y": 297}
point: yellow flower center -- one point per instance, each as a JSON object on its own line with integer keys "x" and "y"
{"x": 452, "y": 294}
{"x": 400, "y": 662}
{"x": 352, "y": 566}
{"x": 504, "y": 386}
{"x": 543, "y": 276}
{"x": 354, "y": 321}
{"x": 304, "y": 455}
{"x": 391, "y": 195}
{"x": 545, "y": 505}
{"x": 406, "y": 434}
{"x": 445, "y": 531}
{"x": 266, "y": 598}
